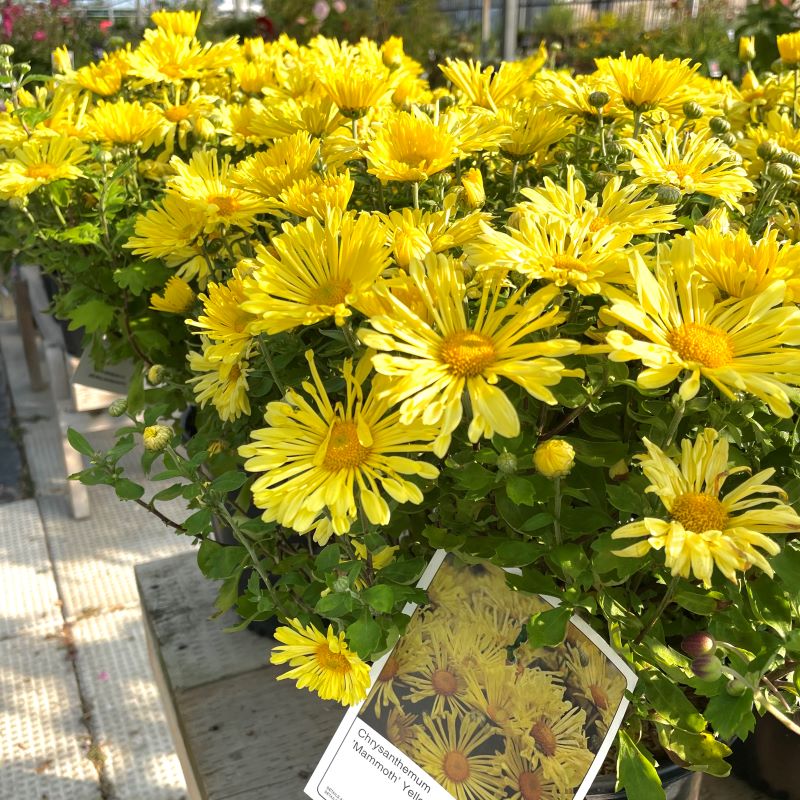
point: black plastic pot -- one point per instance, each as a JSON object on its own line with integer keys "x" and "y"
{"x": 677, "y": 783}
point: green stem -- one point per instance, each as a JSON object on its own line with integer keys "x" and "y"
{"x": 264, "y": 347}
{"x": 665, "y": 601}
{"x": 514, "y": 171}
{"x": 680, "y": 410}
{"x": 557, "y": 510}
{"x": 794, "y": 100}
{"x": 637, "y": 123}
{"x": 602, "y": 132}
{"x": 415, "y": 193}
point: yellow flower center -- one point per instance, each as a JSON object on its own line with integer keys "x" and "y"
{"x": 444, "y": 682}
{"x": 682, "y": 176}
{"x": 705, "y": 344}
{"x": 497, "y": 714}
{"x": 390, "y": 669}
{"x": 331, "y": 293}
{"x": 599, "y": 697}
{"x": 226, "y": 205}
{"x": 330, "y": 661}
{"x": 40, "y": 170}
{"x": 530, "y": 786}
{"x": 177, "y": 113}
{"x": 699, "y": 512}
{"x": 544, "y": 738}
{"x": 456, "y": 766}
{"x": 598, "y": 223}
{"x": 344, "y": 450}
{"x": 467, "y": 353}
{"x": 171, "y": 70}
{"x": 234, "y": 374}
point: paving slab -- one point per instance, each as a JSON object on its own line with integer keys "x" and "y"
{"x": 127, "y": 715}
{"x": 43, "y": 740}
{"x": 28, "y": 594}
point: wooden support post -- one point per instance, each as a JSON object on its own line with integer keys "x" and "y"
{"x": 510, "y": 29}
{"x": 27, "y": 331}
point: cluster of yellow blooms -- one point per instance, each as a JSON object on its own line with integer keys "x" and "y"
{"x": 327, "y": 186}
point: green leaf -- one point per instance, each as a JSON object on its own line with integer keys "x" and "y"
{"x": 128, "y": 490}
{"x": 570, "y": 558}
{"x": 364, "y": 636}
{"x": 521, "y": 491}
{"x": 199, "y": 522}
{"x": 787, "y": 567}
{"x": 217, "y": 561}
{"x": 517, "y": 554}
{"x": 227, "y": 595}
{"x": 79, "y": 442}
{"x": 625, "y": 498}
{"x": 731, "y": 716}
{"x": 379, "y": 597}
{"x": 229, "y": 481}
{"x": 701, "y": 750}
{"x": 548, "y": 628}
{"x": 328, "y": 558}
{"x": 170, "y": 493}
{"x": 406, "y": 571}
{"x": 769, "y": 605}
{"x": 670, "y": 702}
{"x": 697, "y": 600}
{"x": 94, "y": 315}
{"x": 635, "y": 772}
{"x": 441, "y": 538}
{"x": 335, "y": 605}
{"x": 474, "y": 476}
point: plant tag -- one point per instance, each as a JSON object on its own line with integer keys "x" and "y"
{"x": 470, "y": 703}
{"x": 113, "y": 378}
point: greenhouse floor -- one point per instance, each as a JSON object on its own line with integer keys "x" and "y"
{"x": 80, "y": 717}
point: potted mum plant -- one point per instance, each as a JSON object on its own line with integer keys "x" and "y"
{"x": 542, "y": 322}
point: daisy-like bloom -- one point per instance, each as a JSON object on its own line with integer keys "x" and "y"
{"x": 177, "y": 298}
{"x": 237, "y": 124}
{"x": 692, "y": 163}
{"x": 320, "y": 461}
{"x": 741, "y": 268}
{"x": 321, "y": 663}
{"x": 474, "y": 129}
{"x": 448, "y": 748}
{"x": 522, "y": 779}
{"x": 564, "y": 252}
{"x": 355, "y": 88}
{"x": 170, "y": 231}
{"x": 223, "y": 383}
{"x": 681, "y": 327}
{"x": 485, "y": 87}
{"x": 531, "y": 131}
{"x": 205, "y": 182}
{"x": 570, "y": 95}
{"x": 401, "y": 729}
{"x": 41, "y": 161}
{"x": 474, "y": 192}
{"x": 410, "y": 147}
{"x": 182, "y": 114}
{"x": 104, "y": 77}
{"x": 705, "y": 529}
{"x": 318, "y": 117}
{"x": 317, "y": 195}
{"x": 223, "y": 320}
{"x": 789, "y": 48}
{"x": 595, "y": 680}
{"x": 124, "y": 123}
{"x": 407, "y": 658}
{"x": 311, "y": 272}
{"x": 644, "y": 83}
{"x": 432, "y": 365}
{"x": 270, "y": 171}
{"x": 622, "y": 207}
{"x": 183, "y": 23}
{"x": 493, "y": 691}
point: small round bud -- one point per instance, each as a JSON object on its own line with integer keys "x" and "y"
{"x": 668, "y": 195}
{"x": 598, "y": 99}
{"x": 707, "y": 667}
{"x": 600, "y": 179}
{"x": 446, "y": 101}
{"x": 155, "y": 374}
{"x": 735, "y": 687}
{"x": 615, "y": 149}
{"x": 692, "y": 110}
{"x": 719, "y": 125}
{"x": 555, "y": 46}
{"x": 156, "y": 438}
{"x": 699, "y": 643}
{"x": 780, "y": 173}
{"x": 6, "y": 50}
{"x": 554, "y": 458}
{"x": 18, "y": 202}
{"x": 790, "y": 159}
{"x": 214, "y": 245}
{"x": 769, "y": 150}
{"x": 729, "y": 139}
{"x": 507, "y": 463}
{"x": 118, "y": 407}
{"x": 561, "y": 156}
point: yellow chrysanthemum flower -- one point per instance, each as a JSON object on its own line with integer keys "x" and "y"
{"x": 317, "y": 195}
{"x": 474, "y": 192}
{"x": 311, "y": 273}
{"x": 448, "y": 748}
{"x": 488, "y": 88}
{"x": 741, "y": 268}
{"x": 104, "y": 77}
{"x": 692, "y": 163}
{"x": 410, "y": 147}
{"x": 321, "y": 663}
{"x": 177, "y": 298}
{"x": 569, "y": 95}
{"x": 320, "y": 462}
{"x": 522, "y": 779}
{"x": 223, "y": 383}
{"x": 182, "y": 111}
{"x": 705, "y": 530}
{"x": 740, "y": 345}
{"x": 205, "y": 182}
{"x": 125, "y": 123}
{"x": 282, "y": 118}
{"x": 355, "y": 88}
{"x": 183, "y": 23}
{"x": 41, "y": 161}
{"x": 170, "y": 230}
{"x": 747, "y": 48}
{"x": 789, "y": 48}
{"x": 237, "y": 124}
{"x": 645, "y": 83}
{"x": 432, "y": 365}
{"x": 597, "y": 682}
{"x": 531, "y": 131}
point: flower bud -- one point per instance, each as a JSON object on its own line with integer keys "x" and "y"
{"x": 747, "y": 48}
{"x": 735, "y": 687}
{"x": 507, "y": 463}
{"x": 214, "y": 245}
{"x": 729, "y": 139}
{"x": 780, "y": 173}
{"x": 699, "y": 643}
{"x": 554, "y": 458}
{"x": 118, "y": 407}
{"x": 204, "y": 128}
{"x": 692, "y": 110}
{"x": 562, "y": 156}
{"x": 790, "y": 159}
{"x": 105, "y": 157}
{"x": 598, "y": 99}
{"x": 410, "y": 242}
{"x": 769, "y": 150}
{"x": 155, "y": 374}
{"x": 18, "y": 202}
{"x": 392, "y": 52}
{"x": 719, "y": 125}
{"x": 707, "y": 667}
{"x": 6, "y": 50}
{"x": 668, "y": 195}
{"x": 156, "y": 438}
{"x": 474, "y": 193}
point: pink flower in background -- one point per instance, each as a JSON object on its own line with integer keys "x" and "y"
{"x": 9, "y": 14}
{"x": 339, "y": 6}
{"x": 58, "y": 3}
{"x": 321, "y": 10}
{"x": 39, "y": 36}
{"x": 301, "y": 20}
{"x": 105, "y": 24}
